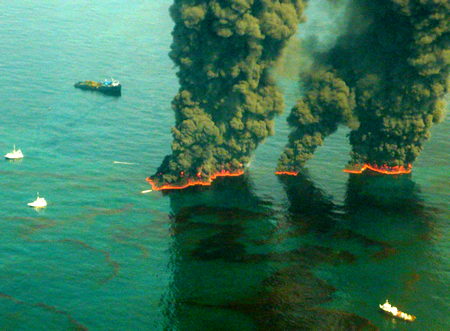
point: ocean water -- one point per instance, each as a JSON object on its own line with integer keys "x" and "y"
{"x": 318, "y": 251}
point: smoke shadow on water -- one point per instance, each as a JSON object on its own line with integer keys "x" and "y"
{"x": 392, "y": 212}
{"x": 384, "y": 230}
{"x": 235, "y": 259}
{"x": 395, "y": 193}
{"x": 388, "y": 208}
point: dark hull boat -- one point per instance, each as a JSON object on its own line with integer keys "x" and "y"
{"x": 110, "y": 87}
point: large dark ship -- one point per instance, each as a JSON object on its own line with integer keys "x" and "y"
{"x": 110, "y": 87}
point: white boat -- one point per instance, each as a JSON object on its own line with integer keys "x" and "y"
{"x": 39, "y": 202}
{"x": 14, "y": 154}
{"x": 391, "y": 310}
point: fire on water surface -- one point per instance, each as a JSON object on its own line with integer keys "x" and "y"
{"x": 290, "y": 173}
{"x": 190, "y": 182}
{"x": 386, "y": 170}
{"x": 359, "y": 168}
{"x": 354, "y": 169}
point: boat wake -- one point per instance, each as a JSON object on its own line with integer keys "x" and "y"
{"x": 119, "y": 162}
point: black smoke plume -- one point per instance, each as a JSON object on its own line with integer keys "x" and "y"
{"x": 389, "y": 69}
{"x": 327, "y": 102}
{"x": 227, "y": 99}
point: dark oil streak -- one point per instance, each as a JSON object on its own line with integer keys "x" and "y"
{"x": 52, "y": 309}
{"x": 116, "y": 266}
{"x": 107, "y": 255}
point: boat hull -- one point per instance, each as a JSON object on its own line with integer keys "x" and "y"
{"x": 400, "y": 315}
{"x": 14, "y": 155}
{"x": 115, "y": 90}
{"x": 37, "y": 205}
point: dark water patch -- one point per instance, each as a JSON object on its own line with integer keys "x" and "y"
{"x": 194, "y": 316}
{"x": 349, "y": 235}
{"x": 221, "y": 247}
{"x": 324, "y": 319}
{"x": 280, "y": 232}
{"x": 224, "y": 192}
{"x": 220, "y": 214}
{"x": 384, "y": 249}
{"x": 306, "y": 199}
{"x": 309, "y": 256}
{"x": 223, "y": 236}
{"x": 296, "y": 285}
{"x": 287, "y": 290}
{"x": 221, "y": 230}
{"x": 212, "y": 218}
{"x": 236, "y": 264}
{"x": 372, "y": 203}
{"x": 386, "y": 212}
{"x": 313, "y": 213}
{"x": 230, "y": 244}
{"x": 389, "y": 193}
{"x": 290, "y": 299}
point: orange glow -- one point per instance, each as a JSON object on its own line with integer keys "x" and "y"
{"x": 226, "y": 173}
{"x": 190, "y": 182}
{"x": 290, "y": 173}
{"x": 386, "y": 170}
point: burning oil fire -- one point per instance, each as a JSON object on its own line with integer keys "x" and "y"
{"x": 385, "y": 169}
{"x": 191, "y": 182}
{"x": 358, "y": 169}
{"x": 290, "y": 173}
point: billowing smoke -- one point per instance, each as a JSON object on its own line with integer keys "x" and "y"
{"x": 327, "y": 102}
{"x": 227, "y": 99}
{"x": 389, "y": 70}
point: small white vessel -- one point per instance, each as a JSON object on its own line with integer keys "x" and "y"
{"x": 14, "y": 154}
{"x": 39, "y": 202}
{"x": 391, "y": 310}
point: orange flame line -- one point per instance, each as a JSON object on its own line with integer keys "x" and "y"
{"x": 290, "y": 173}
{"x": 353, "y": 171}
{"x": 190, "y": 182}
{"x": 397, "y": 170}
{"x": 224, "y": 173}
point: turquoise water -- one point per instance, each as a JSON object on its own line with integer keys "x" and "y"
{"x": 317, "y": 251}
